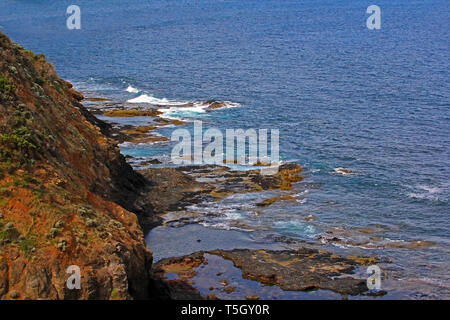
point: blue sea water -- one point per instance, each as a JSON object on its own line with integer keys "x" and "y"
{"x": 374, "y": 101}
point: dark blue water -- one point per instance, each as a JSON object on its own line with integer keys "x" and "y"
{"x": 342, "y": 96}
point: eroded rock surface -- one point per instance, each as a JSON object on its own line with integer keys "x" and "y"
{"x": 301, "y": 270}
{"x": 294, "y": 270}
{"x": 66, "y": 192}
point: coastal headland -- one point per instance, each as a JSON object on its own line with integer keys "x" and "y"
{"x": 69, "y": 197}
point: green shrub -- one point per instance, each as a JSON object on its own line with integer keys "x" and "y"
{"x": 4, "y": 192}
{"x": 27, "y": 246}
{"x": 16, "y": 141}
{"x": 38, "y": 56}
{"x": 38, "y": 192}
{"x": 17, "y": 149}
{"x": 19, "y": 183}
{"x": 40, "y": 81}
{"x": 114, "y": 293}
{"x": 28, "y": 52}
{"x": 6, "y": 87}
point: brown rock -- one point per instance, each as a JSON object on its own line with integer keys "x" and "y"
{"x": 14, "y": 294}
{"x": 132, "y": 113}
{"x": 302, "y": 270}
{"x": 228, "y": 289}
{"x": 67, "y": 162}
{"x": 78, "y": 96}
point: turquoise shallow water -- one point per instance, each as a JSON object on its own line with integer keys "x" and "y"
{"x": 375, "y": 102}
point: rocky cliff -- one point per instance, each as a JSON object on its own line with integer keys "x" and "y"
{"x": 66, "y": 192}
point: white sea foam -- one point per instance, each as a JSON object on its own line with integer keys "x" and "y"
{"x": 295, "y": 226}
{"x": 426, "y": 192}
{"x": 416, "y": 195}
{"x": 146, "y": 98}
{"x": 431, "y": 190}
{"x": 172, "y": 112}
{"x": 176, "y": 109}
{"x": 343, "y": 171}
{"x": 302, "y": 193}
{"x": 126, "y": 144}
{"x": 131, "y": 89}
{"x": 223, "y": 226}
{"x": 173, "y": 109}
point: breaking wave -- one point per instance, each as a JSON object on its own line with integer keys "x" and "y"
{"x": 131, "y": 89}
{"x": 424, "y": 192}
{"x": 146, "y": 98}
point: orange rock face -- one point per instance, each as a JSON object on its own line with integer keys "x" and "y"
{"x": 62, "y": 185}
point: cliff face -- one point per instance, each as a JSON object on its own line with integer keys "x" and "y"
{"x": 65, "y": 191}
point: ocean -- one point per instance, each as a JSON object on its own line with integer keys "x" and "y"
{"x": 376, "y": 102}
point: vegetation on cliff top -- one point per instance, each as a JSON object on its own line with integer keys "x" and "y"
{"x": 58, "y": 177}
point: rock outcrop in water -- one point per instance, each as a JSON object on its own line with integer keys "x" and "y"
{"x": 66, "y": 192}
{"x": 293, "y": 270}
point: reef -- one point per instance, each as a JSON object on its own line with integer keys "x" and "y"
{"x": 293, "y": 270}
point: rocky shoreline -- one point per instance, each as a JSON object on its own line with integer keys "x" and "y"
{"x": 295, "y": 270}
{"x": 69, "y": 197}
{"x": 175, "y": 189}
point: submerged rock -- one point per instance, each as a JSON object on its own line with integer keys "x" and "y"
{"x": 268, "y": 202}
{"x": 132, "y": 113}
{"x": 228, "y": 289}
{"x": 216, "y": 104}
{"x": 343, "y": 171}
{"x": 301, "y": 270}
{"x": 294, "y": 270}
{"x": 368, "y": 238}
